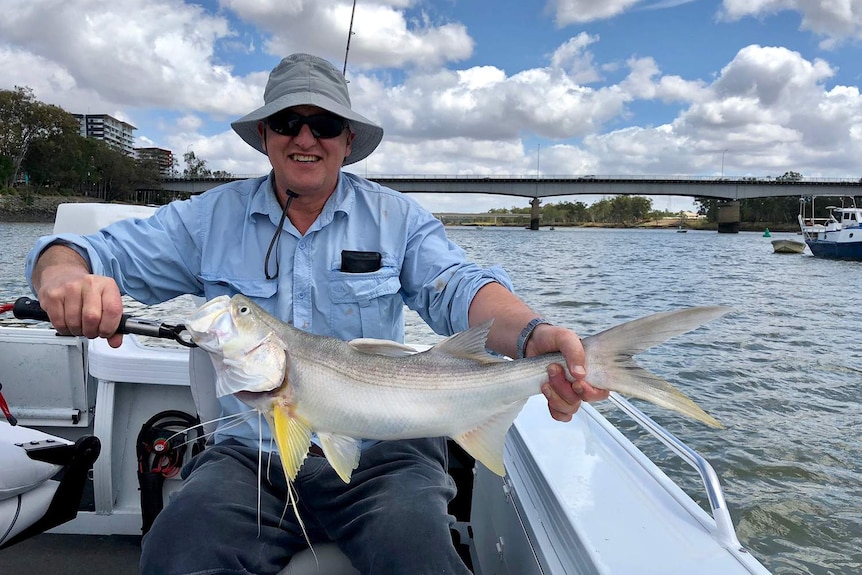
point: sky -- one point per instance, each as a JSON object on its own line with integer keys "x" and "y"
{"x": 507, "y": 87}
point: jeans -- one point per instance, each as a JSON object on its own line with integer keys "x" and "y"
{"x": 391, "y": 518}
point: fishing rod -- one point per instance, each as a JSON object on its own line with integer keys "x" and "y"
{"x": 29, "y": 308}
{"x": 349, "y": 34}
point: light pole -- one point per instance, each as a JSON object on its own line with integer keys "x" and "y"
{"x": 722, "y": 163}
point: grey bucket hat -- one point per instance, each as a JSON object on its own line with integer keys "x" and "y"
{"x": 303, "y": 79}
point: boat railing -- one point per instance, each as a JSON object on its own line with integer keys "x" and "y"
{"x": 815, "y": 221}
{"x": 725, "y": 532}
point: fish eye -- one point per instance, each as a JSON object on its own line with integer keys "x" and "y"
{"x": 244, "y": 310}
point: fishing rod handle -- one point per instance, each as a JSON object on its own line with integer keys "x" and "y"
{"x": 29, "y": 308}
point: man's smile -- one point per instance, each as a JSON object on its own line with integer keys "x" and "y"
{"x": 303, "y": 158}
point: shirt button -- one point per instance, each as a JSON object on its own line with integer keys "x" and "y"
{"x": 301, "y": 295}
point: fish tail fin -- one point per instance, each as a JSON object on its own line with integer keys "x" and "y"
{"x": 611, "y": 366}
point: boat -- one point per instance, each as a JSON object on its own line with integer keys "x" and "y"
{"x": 838, "y": 236}
{"x": 787, "y": 246}
{"x": 577, "y": 498}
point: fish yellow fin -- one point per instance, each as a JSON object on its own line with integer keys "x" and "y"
{"x": 469, "y": 344}
{"x": 485, "y": 443}
{"x": 292, "y": 436}
{"x": 342, "y": 452}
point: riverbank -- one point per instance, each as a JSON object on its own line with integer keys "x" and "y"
{"x": 32, "y": 208}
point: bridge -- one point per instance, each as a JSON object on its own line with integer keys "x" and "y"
{"x": 731, "y": 190}
{"x": 722, "y": 188}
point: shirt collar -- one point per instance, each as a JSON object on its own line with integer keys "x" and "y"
{"x": 343, "y": 198}
{"x": 264, "y": 201}
{"x": 341, "y": 201}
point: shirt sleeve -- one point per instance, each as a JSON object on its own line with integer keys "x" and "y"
{"x": 438, "y": 280}
{"x": 152, "y": 259}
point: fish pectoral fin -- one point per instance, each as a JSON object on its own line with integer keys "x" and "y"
{"x": 258, "y": 370}
{"x": 381, "y": 347}
{"x": 292, "y": 436}
{"x": 342, "y": 452}
{"x": 469, "y": 344}
{"x": 485, "y": 443}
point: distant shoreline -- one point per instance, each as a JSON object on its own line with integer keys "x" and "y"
{"x": 43, "y": 209}
{"x": 34, "y": 209}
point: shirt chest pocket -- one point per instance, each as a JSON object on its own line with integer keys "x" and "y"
{"x": 364, "y": 304}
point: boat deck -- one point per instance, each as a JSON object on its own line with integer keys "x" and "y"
{"x": 62, "y": 554}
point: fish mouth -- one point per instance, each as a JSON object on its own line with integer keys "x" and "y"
{"x": 211, "y": 324}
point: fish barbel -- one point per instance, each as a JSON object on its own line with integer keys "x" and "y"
{"x": 346, "y": 391}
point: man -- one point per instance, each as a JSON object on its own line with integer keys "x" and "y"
{"x": 331, "y": 253}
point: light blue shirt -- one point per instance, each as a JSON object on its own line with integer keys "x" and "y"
{"x": 215, "y": 244}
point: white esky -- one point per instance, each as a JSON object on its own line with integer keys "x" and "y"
{"x": 571, "y": 87}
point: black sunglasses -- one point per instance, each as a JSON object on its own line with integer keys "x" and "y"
{"x": 321, "y": 125}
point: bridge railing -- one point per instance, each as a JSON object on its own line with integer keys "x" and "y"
{"x": 751, "y": 180}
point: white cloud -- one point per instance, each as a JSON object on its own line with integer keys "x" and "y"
{"x": 835, "y": 21}
{"x": 485, "y": 103}
{"x": 767, "y": 111}
{"x": 383, "y": 36}
{"x": 133, "y": 54}
{"x": 579, "y": 11}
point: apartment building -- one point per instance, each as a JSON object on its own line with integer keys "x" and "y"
{"x": 163, "y": 158}
{"x": 114, "y": 132}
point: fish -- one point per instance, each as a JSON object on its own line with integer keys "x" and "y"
{"x": 342, "y": 392}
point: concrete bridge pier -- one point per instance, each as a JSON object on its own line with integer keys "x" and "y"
{"x": 728, "y": 217}
{"x": 534, "y": 213}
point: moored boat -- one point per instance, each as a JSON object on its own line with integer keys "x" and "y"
{"x": 786, "y": 246}
{"x": 838, "y": 236}
{"x": 577, "y": 498}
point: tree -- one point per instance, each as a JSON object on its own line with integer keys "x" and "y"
{"x": 7, "y": 169}
{"x": 195, "y": 167}
{"x": 621, "y": 210}
{"x": 116, "y": 171}
{"x": 707, "y": 207}
{"x": 24, "y": 121}
{"x": 148, "y": 174}
{"x": 58, "y": 162}
{"x": 789, "y": 177}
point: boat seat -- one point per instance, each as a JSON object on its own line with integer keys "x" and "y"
{"x": 327, "y": 558}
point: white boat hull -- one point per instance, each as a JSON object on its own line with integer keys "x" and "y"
{"x": 836, "y": 237}
{"x": 788, "y": 246}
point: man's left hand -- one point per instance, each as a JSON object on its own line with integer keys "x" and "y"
{"x": 564, "y": 395}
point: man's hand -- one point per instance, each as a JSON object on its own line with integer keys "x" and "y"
{"x": 564, "y": 395}
{"x": 76, "y": 301}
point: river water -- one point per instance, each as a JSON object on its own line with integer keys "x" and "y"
{"x": 783, "y": 372}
